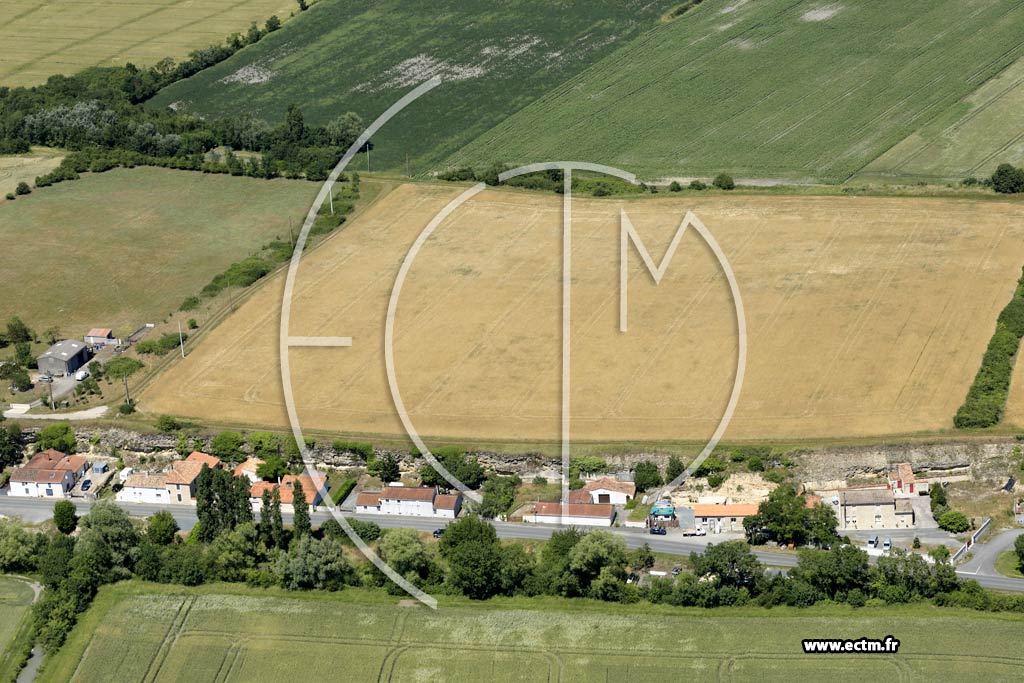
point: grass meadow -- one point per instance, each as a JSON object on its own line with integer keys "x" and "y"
{"x": 783, "y": 89}
{"x": 125, "y": 247}
{"x": 362, "y": 55}
{"x": 46, "y": 37}
{"x": 17, "y": 168}
{"x": 15, "y": 599}
{"x": 145, "y": 632}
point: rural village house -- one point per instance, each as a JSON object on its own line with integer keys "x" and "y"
{"x": 415, "y": 501}
{"x": 49, "y": 474}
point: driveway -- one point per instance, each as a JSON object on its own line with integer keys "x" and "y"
{"x": 89, "y": 414}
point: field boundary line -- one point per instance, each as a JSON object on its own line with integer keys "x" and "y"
{"x": 173, "y": 631}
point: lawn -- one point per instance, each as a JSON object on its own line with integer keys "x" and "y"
{"x": 46, "y": 37}
{"x": 137, "y": 632}
{"x": 362, "y": 55}
{"x": 1007, "y": 564}
{"x": 124, "y": 248}
{"x": 779, "y": 89}
{"x": 866, "y": 317}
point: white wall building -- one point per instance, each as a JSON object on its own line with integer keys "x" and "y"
{"x": 411, "y": 501}
{"x": 145, "y": 488}
{"x": 572, "y": 514}
{"x": 33, "y": 483}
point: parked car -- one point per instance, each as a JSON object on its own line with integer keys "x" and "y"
{"x": 873, "y": 542}
{"x": 81, "y": 374}
{"x": 87, "y": 484}
{"x": 45, "y": 378}
{"x": 438, "y": 533}
{"x": 632, "y": 578}
{"x": 695, "y": 532}
{"x": 676, "y": 571}
{"x": 658, "y": 530}
{"x": 887, "y": 545}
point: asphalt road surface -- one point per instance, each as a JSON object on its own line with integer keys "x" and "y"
{"x": 981, "y": 567}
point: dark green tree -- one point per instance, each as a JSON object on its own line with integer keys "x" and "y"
{"x": 18, "y": 331}
{"x": 59, "y": 436}
{"x": 162, "y": 528}
{"x": 471, "y": 548}
{"x": 674, "y": 468}
{"x": 265, "y": 526}
{"x": 277, "y": 537}
{"x": 1008, "y": 179}
{"x": 728, "y": 564}
{"x": 300, "y": 518}
{"x": 65, "y": 516}
{"x": 646, "y": 476}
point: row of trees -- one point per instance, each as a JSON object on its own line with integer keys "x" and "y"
{"x": 986, "y": 398}
{"x": 469, "y": 560}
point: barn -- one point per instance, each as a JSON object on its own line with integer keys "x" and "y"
{"x": 64, "y": 357}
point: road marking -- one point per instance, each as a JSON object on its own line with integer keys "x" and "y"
{"x": 320, "y": 341}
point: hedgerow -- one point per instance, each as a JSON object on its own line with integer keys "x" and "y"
{"x": 986, "y": 398}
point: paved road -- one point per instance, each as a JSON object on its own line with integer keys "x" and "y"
{"x": 981, "y": 567}
{"x": 87, "y": 414}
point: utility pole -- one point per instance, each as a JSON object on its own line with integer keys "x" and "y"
{"x": 332, "y": 200}
{"x": 181, "y": 340}
{"x": 127, "y": 396}
{"x": 407, "y": 174}
{"x": 367, "y": 156}
{"x": 52, "y": 407}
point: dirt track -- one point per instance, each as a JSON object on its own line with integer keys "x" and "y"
{"x": 866, "y": 316}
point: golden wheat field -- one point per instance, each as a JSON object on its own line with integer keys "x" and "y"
{"x": 866, "y": 316}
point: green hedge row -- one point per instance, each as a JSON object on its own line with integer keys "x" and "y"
{"x": 986, "y": 398}
{"x": 341, "y": 493}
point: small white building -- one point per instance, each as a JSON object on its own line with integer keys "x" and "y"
{"x": 145, "y": 488}
{"x": 605, "y": 490}
{"x": 100, "y": 336}
{"x": 572, "y": 514}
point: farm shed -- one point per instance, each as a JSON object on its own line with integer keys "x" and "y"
{"x": 64, "y": 357}
{"x": 100, "y": 335}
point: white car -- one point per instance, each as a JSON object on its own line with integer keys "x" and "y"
{"x": 81, "y": 374}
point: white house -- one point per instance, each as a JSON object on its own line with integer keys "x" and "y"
{"x": 145, "y": 488}
{"x": 101, "y": 335}
{"x": 49, "y": 474}
{"x": 572, "y": 514}
{"x": 604, "y": 490}
{"x": 33, "y": 483}
{"x": 411, "y": 501}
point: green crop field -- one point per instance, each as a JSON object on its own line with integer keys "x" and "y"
{"x": 15, "y": 599}
{"x": 124, "y": 248}
{"x": 781, "y": 88}
{"x": 45, "y": 37}
{"x": 362, "y": 55}
{"x": 144, "y": 632}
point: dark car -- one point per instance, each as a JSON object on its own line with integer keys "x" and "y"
{"x": 676, "y": 571}
{"x": 659, "y": 530}
{"x": 438, "y": 533}
{"x": 87, "y": 484}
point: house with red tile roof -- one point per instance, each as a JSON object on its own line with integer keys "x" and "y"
{"x": 721, "y": 517}
{"x": 572, "y": 514}
{"x": 48, "y": 474}
{"x": 248, "y": 468}
{"x": 608, "y": 490}
{"x": 286, "y": 490}
{"x": 413, "y": 501}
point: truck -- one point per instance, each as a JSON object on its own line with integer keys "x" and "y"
{"x": 694, "y": 532}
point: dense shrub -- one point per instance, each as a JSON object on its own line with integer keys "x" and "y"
{"x": 160, "y": 347}
{"x": 724, "y": 181}
{"x": 986, "y": 398}
{"x": 1008, "y": 179}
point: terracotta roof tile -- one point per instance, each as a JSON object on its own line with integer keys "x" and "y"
{"x": 409, "y": 493}
{"x": 146, "y": 481}
{"x": 184, "y": 472}
{"x": 368, "y": 499}
{"x": 600, "y": 510}
{"x": 37, "y": 476}
{"x": 446, "y": 501}
{"x": 719, "y": 510}
{"x": 609, "y": 484}
{"x": 248, "y": 465}
{"x": 204, "y": 458}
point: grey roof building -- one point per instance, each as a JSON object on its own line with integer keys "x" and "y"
{"x": 64, "y": 357}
